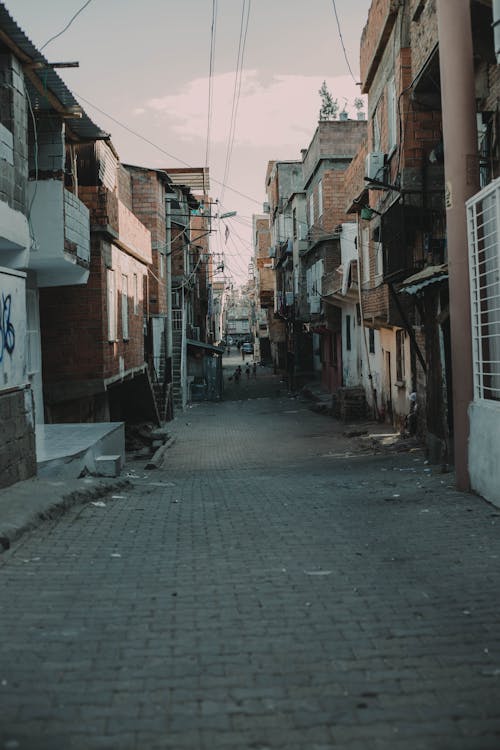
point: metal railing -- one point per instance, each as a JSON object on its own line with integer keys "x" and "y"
{"x": 483, "y": 218}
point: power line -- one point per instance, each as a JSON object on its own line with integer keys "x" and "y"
{"x": 67, "y": 25}
{"x": 159, "y": 148}
{"x": 210, "y": 85}
{"x": 238, "y": 77}
{"x": 342, "y": 43}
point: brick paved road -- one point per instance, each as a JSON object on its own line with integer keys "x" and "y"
{"x": 263, "y": 591}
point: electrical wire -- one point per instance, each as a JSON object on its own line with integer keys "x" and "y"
{"x": 342, "y": 42}
{"x": 35, "y": 138}
{"x": 238, "y": 77}
{"x": 60, "y": 33}
{"x": 210, "y": 86}
{"x": 159, "y": 148}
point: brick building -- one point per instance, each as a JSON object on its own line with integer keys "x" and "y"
{"x": 93, "y": 335}
{"x": 264, "y": 283}
{"x": 324, "y": 163}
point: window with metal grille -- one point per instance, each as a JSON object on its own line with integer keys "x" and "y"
{"x": 483, "y": 218}
{"x": 125, "y": 308}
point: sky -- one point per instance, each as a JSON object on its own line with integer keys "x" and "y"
{"x": 147, "y": 66}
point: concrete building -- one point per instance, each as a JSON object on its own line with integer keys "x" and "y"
{"x": 44, "y": 229}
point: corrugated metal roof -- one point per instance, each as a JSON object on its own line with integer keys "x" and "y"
{"x": 195, "y": 178}
{"x": 81, "y": 127}
{"x": 429, "y": 275}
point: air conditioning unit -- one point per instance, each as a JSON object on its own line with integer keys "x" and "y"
{"x": 374, "y": 166}
{"x": 266, "y": 208}
{"x": 272, "y": 251}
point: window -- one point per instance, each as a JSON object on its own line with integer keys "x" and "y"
{"x": 371, "y": 340}
{"x": 320, "y": 198}
{"x": 125, "y": 307}
{"x": 294, "y": 223}
{"x": 392, "y": 115}
{"x": 348, "y": 333}
{"x": 111, "y": 299}
{"x": 311, "y": 209}
{"x": 136, "y": 294}
{"x": 484, "y": 260}
{"x": 162, "y": 266}
{"x": 400, "y": 355}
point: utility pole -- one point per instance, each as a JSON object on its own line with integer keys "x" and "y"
{"x": 168, "y": 242}
{"x": 461, "y": 166}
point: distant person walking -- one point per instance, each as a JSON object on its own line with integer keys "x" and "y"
{"x": 242, "y": 354}
{"x": 247, "y": 370}
{"x": 254, "y": 369}
{"x": 237, "y": 375}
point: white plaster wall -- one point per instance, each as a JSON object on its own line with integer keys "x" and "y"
{"x": 348, "y": 249}
{"x": 484, "y": 449}
{"x": 372, "y": 363}
{"x": 47, "y": 216}
{"x": 350, "y": 358}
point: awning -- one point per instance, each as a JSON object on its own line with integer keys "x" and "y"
{"x": 207, "y": 347}
{"x": 429, "y": 275}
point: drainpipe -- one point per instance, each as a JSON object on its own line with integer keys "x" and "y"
{"x": 461, "y": 166}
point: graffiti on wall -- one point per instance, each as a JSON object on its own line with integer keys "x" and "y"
{"x": 7, "y": 332}
{"x": 13, "y": 329}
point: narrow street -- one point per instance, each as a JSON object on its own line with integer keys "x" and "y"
{"x": 274, "y": 586}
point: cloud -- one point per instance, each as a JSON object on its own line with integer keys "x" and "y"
{"x": 273, "y": 110}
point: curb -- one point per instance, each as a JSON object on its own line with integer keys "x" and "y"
{"x": 27, "y": 504}
{"x": 157, "y": 458}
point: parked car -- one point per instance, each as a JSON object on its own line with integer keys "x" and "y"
{"x": 247, "y": 347}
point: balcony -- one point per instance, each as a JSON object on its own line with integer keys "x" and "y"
{"x": 110, "y": 215}
{"x": 60, "y": 252}
{"x": 14, "y": 237}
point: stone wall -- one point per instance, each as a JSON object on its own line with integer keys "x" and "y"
{"x": 17, "y": 451}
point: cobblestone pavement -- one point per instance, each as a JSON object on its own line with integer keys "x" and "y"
{"x": 272, "y": 587}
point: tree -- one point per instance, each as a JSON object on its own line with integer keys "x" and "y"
{"x": 329, "y": 105}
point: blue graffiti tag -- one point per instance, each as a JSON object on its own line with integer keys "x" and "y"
{"x": 7, "y": 333}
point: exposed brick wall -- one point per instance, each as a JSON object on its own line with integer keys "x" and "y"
{"x": 74, "y": 321}
{"x": 354, "y": 175}
{"x": 178, "y": 239}
{"x": 374, "y": 37}
{"x": 14, "y": 117}
{"x": 423, "y": 33}
{"x": 124, "y": 183}
{"x": 339, "y": 139}
{"x": 17, "y": 451}
{"x": 148, "y": 205}
{"x": 102, "y": 205}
